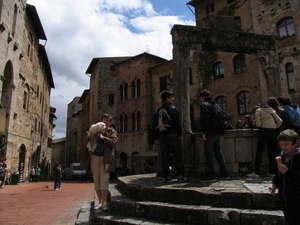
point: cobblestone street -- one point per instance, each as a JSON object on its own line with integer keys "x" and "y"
{"x": 34, "y": 203}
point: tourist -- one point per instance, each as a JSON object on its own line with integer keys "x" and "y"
{"x": 268, "y": 121}
{"x": 211, "y": 136}
{"x": 168, "y": 136}
{"x": 102, "y": 158}
{"x": 287, "y": 181}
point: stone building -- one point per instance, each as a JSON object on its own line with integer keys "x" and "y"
{"x": 72, "y": 131}
{"x": 26, "y": 118}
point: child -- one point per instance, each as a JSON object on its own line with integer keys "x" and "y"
{"x": 287, "y": 180}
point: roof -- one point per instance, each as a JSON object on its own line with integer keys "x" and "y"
{"x": 32, "y": 13}
{"x": 46, "y": 63}
{"x": 144, "y": 53}
{"x": 84, "y": 94}
{"x": 112, "y": 59}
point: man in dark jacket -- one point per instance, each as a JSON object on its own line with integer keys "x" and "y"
{"x": 211, "y": 136}
{"x": 170, "y": 137}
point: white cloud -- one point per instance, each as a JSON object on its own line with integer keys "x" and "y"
{"x": 78, "y": 31}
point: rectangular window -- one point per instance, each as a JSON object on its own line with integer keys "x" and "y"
{"x": 111, "y": 98}
{"x": 129, "y": 65}
{"x": 24, "y": 100}
{"x": 190, "y": 76}
{"x": 210, "y": 9}
{"x": 112, "y": 66}
{"x": 163, "y": 83}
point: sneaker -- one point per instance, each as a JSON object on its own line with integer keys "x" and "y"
{"x": 56, "y": 189}
{"x": 253, "y": 175}
{"x": 208, "y": 180}
{"x": 167, "y": 178}
{"x": 104, "y": 207}
{"x": 182, "y": 179}
{"x": 99, "y": 206}
{"x": 224, "y": 177}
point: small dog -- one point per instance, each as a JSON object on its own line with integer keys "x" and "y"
{"x": 95, "y": 129}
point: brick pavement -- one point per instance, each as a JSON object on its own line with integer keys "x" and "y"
{"x": 33, "y": 203}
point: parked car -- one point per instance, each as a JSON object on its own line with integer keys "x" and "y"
{"x": 76, "y": 172}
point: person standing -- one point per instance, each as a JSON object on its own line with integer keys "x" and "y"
{"x": 56, "y": 176}
{"x": 273, "y": 102}
{"x": 37, "y": 174}
{"x": 5, "y": 169}
{"x": 169, "y": 136}
{"x": 102, "y": 161}
{"x": 211, "y": 136}
{"x": 268, "y": 121}
{"x": 1, "y": 175}
{"x": 32, "y": 174}
{"x": 287, "y": 180}
{"x": 293, "y": 113}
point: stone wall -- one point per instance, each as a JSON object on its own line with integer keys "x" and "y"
{"x": 239, "y": 148}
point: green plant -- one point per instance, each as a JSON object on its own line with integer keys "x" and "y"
{"x": 2, "y": 105}
{"x": 3, "y": 143}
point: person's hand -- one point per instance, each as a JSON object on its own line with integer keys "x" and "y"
{"x": 204, "y": 138}
{"x": 282, "y": 168}
{"x": 156, "y": 143}
{"x": 181, "y": 139}
{"x": 221, "y": 138}
{"x": 272, "y": 190}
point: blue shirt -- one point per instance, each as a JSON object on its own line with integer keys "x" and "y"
{"x": 294, "y": 115}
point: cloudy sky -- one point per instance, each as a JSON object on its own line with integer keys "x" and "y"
{"x": 80, "y": 30}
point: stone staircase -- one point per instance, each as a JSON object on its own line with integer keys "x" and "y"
{"x": 145, "y": 199}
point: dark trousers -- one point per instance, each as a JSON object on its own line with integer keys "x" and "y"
{"x": 170, "y": 143}
{"x": 56, "y": 183}
{"x": 269, "y": 137}
{"x": 213, "y": 150}
{"x": 31, "y": 178}
{"x": 36, "y": 178}
{"x": 292, "y": 216}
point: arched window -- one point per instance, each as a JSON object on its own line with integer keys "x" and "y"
{"x": 218, "y": 70}
{"x": 239, "y": 64}
{"x": 26, "y": 98}
{"x": 289, "y": 70}
{"x": 123, "y": 122}
{"x": 133, "y": 89}
{"x": 123, "y": 91}
{"x": 244, "y": 102}
{"x": 133, "y": 121}
{"x": 286, "y": 28}
{"x": 222, "y": 102}
{"x": 136, "y": 88}
{"x": 136, "y": 121}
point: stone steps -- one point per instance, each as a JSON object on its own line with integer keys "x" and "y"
{"x": 144, "y": 199}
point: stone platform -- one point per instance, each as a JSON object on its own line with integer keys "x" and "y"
{"x": 145, "y": 199}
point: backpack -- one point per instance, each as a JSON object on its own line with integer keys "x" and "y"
{"x": 164, "y": 120}
{"x": 218, "y": 117}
